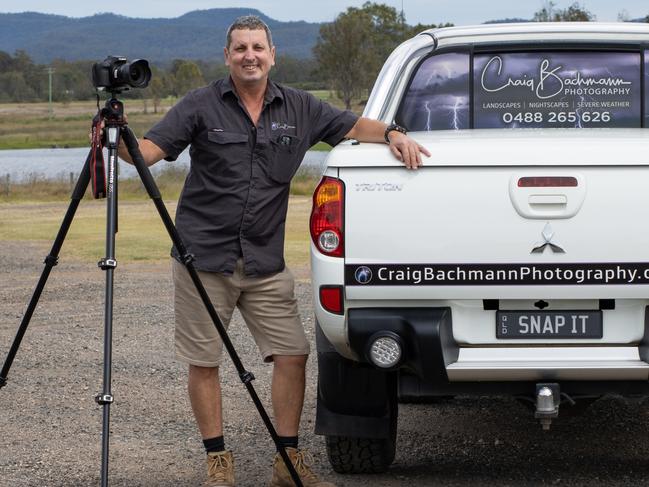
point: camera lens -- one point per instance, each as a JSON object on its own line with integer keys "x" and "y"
{"x": 139, "y": 73}
{"x": 136, "y": 74}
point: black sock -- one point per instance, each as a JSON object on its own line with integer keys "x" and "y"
{"x": 214, "y": 444}
{"x": 288, "y": 441}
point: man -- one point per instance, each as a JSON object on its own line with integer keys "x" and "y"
{"x": 248, "y": 136}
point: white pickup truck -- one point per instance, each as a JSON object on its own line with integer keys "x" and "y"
{"x": 516, "y": 260}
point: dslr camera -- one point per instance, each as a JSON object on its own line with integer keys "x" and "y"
{"x": 116, "y": 74}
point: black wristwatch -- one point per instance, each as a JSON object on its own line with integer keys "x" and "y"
{"x": 390, "y": 128}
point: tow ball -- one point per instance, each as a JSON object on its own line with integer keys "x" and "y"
{"x": 548, "y": 398}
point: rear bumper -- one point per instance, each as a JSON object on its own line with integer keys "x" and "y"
{"x": 356, "y": 398}
{"x": 431, "y": 353}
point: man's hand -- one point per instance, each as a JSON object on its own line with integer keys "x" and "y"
{"x": 151, "y": 153}
{"x": 403, "y": 147}
{"x": 406, "y": 149}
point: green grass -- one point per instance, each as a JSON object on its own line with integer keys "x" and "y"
{"x": 141, "y": 236}
{"x": 30, "y": 126}
{"x": 321, "y": 146}
{"x": 169, "y": 181}
{"x": 33, "y": 211}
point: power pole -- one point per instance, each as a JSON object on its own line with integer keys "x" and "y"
{"x": 50, "y": 70}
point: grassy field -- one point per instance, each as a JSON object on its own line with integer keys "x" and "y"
{"x": 141, "y": 236}
{"x": 169, "y": 182}
{"x": 31, "y": 126}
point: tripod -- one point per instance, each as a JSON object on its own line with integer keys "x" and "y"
{"x": 116, "y": 128}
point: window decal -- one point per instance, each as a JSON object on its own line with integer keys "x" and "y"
{"x": 557, "y": 89}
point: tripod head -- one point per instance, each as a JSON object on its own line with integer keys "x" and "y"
{"x": 107, "y": 126}
{"x": 113, "y": 112}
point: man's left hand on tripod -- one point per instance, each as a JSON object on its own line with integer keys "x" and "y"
{"x": 151, "y": 153}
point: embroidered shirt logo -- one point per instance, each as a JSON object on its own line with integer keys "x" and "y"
{"x": 280, "y": 126}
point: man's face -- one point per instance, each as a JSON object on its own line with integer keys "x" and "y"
{"x": 249, "y": 56}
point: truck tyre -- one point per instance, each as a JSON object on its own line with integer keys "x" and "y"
{"x": 363, "y": 455}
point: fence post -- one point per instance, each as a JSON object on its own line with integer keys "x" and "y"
{"x": 71, "y": 181}
{"x": 7, "y": 184}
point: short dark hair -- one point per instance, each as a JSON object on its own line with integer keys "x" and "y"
{"x": 248, "y": 22}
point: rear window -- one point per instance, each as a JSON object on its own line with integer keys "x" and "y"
{"x": 459, "y": 90}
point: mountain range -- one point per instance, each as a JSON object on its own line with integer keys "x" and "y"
{"x": 196, "y": 35}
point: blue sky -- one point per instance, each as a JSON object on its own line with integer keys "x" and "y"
{"x": 460, "y": 12}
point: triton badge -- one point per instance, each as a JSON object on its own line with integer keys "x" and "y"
{"x": 363, "y": 275}
{"x": 548, "y": 235}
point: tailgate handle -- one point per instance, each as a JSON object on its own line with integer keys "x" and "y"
{"x": 548, "y": 199}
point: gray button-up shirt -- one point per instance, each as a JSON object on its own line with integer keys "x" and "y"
{"x": 235, "y": 197}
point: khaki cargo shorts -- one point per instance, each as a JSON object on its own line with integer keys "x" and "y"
{"x": 267, "y": 304}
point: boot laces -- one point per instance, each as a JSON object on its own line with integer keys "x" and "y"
{"x": 218, "y": 468}
{"x": 303, "y": 461}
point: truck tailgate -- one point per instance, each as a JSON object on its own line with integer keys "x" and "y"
{"x": 480, "y": 232}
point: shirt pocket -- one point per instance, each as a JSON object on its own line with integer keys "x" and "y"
{"x": 284, "y": 159}
{"x": 223, "y": 138}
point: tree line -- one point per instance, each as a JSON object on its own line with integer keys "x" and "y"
{"x": 21, "y": 80}
{"x": 347, "y": 57}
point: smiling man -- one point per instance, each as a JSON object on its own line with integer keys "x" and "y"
{"x": 248, "y": 136}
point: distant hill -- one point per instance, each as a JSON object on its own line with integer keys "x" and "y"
{"x": 196, "y": 35}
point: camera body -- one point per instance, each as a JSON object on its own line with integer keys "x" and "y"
{"x": 116, "y": 74}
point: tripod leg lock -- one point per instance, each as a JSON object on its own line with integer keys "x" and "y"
{"x": 51, "y": 260}
{"x": 102, "y": 399}
{"x": 246, "y": 377}
{"x": 107, "y": 264}
{"x": 187, "y": 258}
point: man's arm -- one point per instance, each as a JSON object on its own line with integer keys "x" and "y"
{"x": 403, "y": 147}
{"x": 151, "y": 153}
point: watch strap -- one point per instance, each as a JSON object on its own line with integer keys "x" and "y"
{"x": 390, "y": 128}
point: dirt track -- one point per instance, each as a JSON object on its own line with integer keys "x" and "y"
{"x": 50, "y": 426}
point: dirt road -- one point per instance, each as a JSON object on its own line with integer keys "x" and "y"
{"x": 50, "y": 426}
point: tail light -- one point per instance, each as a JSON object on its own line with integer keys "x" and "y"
{"x": 331, "y": 298}
{"x": 327, "y": 217}
{"x": 547, "y": 182}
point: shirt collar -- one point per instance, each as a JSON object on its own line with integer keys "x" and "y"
{"x": 272, "y": 90}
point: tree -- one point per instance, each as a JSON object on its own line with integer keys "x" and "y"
{"x": 351, "y": 50}
{"x": 186, "y": 76}
{"x": 342, "y": 53}
{"x": 156, "y": 90}
{"x": 387, "y": 30}
{"x": 15, "y": 88}
{"x": 574, "y": 13}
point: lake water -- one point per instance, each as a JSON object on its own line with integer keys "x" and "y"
{"x": 26, "y": 164}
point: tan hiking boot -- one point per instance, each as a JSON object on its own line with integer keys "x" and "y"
{"x": 301, "y": 460}
{"x": 220, "y": 469}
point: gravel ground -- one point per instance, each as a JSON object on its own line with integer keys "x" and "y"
{"x": 50, "y": 427}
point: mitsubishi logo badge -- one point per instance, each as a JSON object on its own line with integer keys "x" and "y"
{"x": 547, "y": 234}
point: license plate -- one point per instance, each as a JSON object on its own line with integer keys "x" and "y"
{"x": 548, "y": 324}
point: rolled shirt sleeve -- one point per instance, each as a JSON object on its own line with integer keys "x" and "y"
{"x": 175, "y": 131}
{"x": 329, "y": 124}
